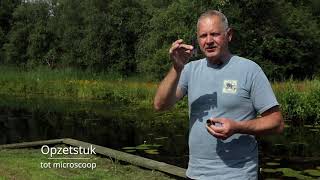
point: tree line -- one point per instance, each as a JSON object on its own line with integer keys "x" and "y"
{"x": 130, "y": 37}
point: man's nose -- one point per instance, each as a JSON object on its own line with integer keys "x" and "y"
{"x": 209, "y": 39}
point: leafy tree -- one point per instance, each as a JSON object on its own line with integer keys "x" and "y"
{"x": 67, "y": 24}
{"x": 101, "y": 37}
{"x": 23, "y": 44}
{"x": 130, "y": 36}
{"x": 127, "y": 26}
{"x": 167, "y": 25}
{"x": 280, "y": 36}
{"x": 95, "y": 34}
{"x": 6, "y": 10}
{"x": 2, "y": 40}
{"x": 40, "y": 37}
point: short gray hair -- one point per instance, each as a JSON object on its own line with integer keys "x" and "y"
{"x": 211, "y": 13}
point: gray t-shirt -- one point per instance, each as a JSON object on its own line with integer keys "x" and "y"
{"x": 237, "y": 89}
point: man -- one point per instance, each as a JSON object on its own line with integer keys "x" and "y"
{"x": 227, "y": 91}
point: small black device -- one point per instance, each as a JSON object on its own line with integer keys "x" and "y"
{"x": 209, "y": 122}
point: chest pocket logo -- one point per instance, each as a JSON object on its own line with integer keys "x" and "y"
{"x": 230, "y": 86}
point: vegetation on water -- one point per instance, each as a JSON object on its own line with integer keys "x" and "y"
{"x": 133, "y": 36}
{"x": 294, "y": 154}
{"x": 291, "y": 173}
{"x": 25, "y": 164}
{"x": 147, "y": 148}
{"x": 296, "y": 145}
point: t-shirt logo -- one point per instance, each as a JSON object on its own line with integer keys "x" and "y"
{"x": 230, "y": 86}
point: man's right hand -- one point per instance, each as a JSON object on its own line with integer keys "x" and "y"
{"x": 180, "y": 54}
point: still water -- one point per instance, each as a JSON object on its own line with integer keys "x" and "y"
{"x": 161, "y": 136}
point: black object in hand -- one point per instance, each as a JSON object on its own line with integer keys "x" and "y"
{"x": 209, "y": 122}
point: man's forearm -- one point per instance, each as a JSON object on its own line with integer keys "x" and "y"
{"x": 166, "y": 93}
{"x": 268, "y": 124}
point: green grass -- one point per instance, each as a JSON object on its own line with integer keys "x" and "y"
{"x": 25, "y": 164}
{"x": 76, "y": 84}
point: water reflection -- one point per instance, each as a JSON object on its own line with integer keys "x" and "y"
{"x": 99, "y": 123}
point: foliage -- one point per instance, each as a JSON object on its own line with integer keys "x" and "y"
{"x": 129, "y": 36}
{"x": 27, "y": 38}
{"x": 178, "y": 21}
{"x": 279, "y": 35}
{"x": 6, "y": 10}
{"x": 299, "y": 101}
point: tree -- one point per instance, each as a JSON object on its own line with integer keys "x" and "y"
{"x": 6, "y": 10}
{"x": 167, "y": 25}
{"x": 278, "y": 35}
{"x": 127, "y": 19}
{"x": 25, "y": 41}
{"x": 130, "y": 36}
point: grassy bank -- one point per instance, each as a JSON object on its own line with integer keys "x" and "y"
{"x": 25, "y": 164}
{"x": 300, "y": 100}
{"x": 76, "y": 84}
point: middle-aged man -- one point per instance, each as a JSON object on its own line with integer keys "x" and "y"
{"x": 225, "y": 94}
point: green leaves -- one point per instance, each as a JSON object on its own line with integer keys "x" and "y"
{"x": 178, "y": 21}
{"x": 132, "y": 36}
{"x": 300, "y": 101}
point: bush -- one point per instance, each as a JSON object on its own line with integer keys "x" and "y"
{"x": 300, "y": 101}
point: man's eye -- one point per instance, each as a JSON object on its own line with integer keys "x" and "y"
{"x": 215, "y": 34}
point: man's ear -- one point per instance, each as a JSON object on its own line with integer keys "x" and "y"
{"x": 230, "y": 34}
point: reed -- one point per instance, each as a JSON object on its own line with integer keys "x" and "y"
{"x": 76, "y": 84}
{"x": 299, "y": 101}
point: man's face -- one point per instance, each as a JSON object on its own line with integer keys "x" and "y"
{"x": 213, "y": 38}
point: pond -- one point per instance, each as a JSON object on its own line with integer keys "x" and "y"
{"x": 161, "y": 136}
